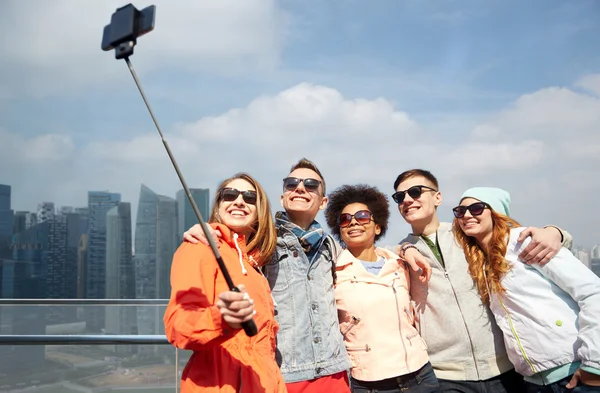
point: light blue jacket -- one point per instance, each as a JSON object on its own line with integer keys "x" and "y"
{"x": 309, "y": 342}
{"x": 550, "y": 315}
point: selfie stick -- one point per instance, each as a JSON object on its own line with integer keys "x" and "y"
{"x": 127, "y": 24}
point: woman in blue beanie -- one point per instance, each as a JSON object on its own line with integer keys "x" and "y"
{"x": 550, "y": 315}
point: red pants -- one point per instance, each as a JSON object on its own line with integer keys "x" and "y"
{"x": 336, "y": 383}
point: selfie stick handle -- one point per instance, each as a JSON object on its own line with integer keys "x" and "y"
{"x": 249, "y": 326}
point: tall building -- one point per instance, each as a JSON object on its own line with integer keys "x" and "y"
{"x": 81, "y": 265}
{"x": 81, "y": 251}
{"x": 6, "y": 221}
{"x": 65, "y": 210}
{"x": 185, "y": 213}
{"x": 77, "y": 229}
{"x": 20, "y": 222}
{"x": 595, "y": 254}
{"x": 61, "y": 273}
{"x": 65, "y": 231}
{"x": 30, "y": 219}
{"x": 57, "y": 280}
{"x": 31, "y": 251}
{"x": 120, "y": 272}
{"x": 99, "y": 203}
{"x": 84, "y": 212}
{"x": 19, "y": 280}
{"x": 5, "y": 196}
{"x": 45, "y": 212}
{"x": 24, "y": 276}
{"x": 155, "y": 243}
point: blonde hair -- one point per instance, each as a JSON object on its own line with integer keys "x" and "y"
{"x": 263, "y": 238}
{"x": 487, "y": 267}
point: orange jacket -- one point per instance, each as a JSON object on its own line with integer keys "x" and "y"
{"x": 224, "y": 359}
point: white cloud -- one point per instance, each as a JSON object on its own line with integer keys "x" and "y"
{"x": 55, "y": 46}
{"x": 590, "y": 83}
{"x": 38, "y": 150}
{"x": 530, "y": 148}
{"x": 564, "y": 119}
{"x": 306, "y": 116}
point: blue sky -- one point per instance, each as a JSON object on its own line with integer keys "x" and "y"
{"x": 504, "y": 93}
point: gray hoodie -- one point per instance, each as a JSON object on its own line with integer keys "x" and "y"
{"x": 463, "y": 340}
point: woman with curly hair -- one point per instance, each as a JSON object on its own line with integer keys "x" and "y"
{"x": 549, "y": 314}
{"x": 372, "y": 298}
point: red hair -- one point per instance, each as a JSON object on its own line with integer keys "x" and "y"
{"x": 487, "y": 267}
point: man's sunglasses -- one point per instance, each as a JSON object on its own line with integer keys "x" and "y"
{"x": 414, "y": 192}
{"x": 291, "y": 183}
{"x": 231, "y": 194}
{"x": 476, "y": 209}
{"x": 363, "y": 217}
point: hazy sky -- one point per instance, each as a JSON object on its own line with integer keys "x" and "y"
{"x": 503, "y": 93}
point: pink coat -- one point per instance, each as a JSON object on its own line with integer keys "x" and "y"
{"x": 376, "y": 318}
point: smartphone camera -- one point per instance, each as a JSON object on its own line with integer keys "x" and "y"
{"x": 126, "y": 25}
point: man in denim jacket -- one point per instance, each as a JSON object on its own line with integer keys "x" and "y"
{"x": 310, "y": 348}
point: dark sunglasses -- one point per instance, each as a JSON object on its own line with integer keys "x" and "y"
{"x": 291, "y": 183}
{"x": 363, "y": 217}
{"x": 414, "y": 192}
{"x": 476, "y": 209}
{"x": 231, "y": 194}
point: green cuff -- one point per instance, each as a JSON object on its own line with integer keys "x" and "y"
{"x": 591, "y": 370}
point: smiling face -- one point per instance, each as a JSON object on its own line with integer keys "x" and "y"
{"x": 421, "y": 209}
{"x": 238, "y": 215}
{"x": 481, "y": 226}
{"x": 300, "y": 204}
{"x": 358, "y": 237}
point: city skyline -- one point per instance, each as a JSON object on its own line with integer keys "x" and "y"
{"x": 201, "y": 197}
{"x": 64, "y": 252}
{"x": 205, "y": 203}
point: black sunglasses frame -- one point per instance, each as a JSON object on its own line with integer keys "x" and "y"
{"x": 250, "y": 197}
{"x": 311, "y": 185}
{"x": 476, "y": 209}
{"x": 354, "y": 216}
{"x": 414, "y": 192}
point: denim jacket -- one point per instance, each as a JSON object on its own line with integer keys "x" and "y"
{"x": 309, "y": 342}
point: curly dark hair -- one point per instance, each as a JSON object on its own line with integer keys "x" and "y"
{"x": 376, "y": 201}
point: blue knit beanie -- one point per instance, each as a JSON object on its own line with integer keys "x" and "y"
{"x": 497, "y": 198}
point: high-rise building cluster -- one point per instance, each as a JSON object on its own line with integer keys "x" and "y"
{"x": 92, "y": 252}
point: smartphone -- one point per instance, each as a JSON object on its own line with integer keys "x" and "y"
{"x": 127, "y": 24}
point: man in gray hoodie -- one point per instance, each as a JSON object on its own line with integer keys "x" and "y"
{"x": 465, "y": 345}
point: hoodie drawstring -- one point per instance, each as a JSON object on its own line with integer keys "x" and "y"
{"x": 244, "y": 271}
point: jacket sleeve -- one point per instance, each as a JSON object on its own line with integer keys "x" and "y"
{"x": 191, "y": 319}
{"x": 567, "y": 238}
{"x": 573, "y": 277}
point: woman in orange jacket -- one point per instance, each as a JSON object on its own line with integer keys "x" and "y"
{"x": 205, "y": 317}
{"x": 373, "y": 299}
